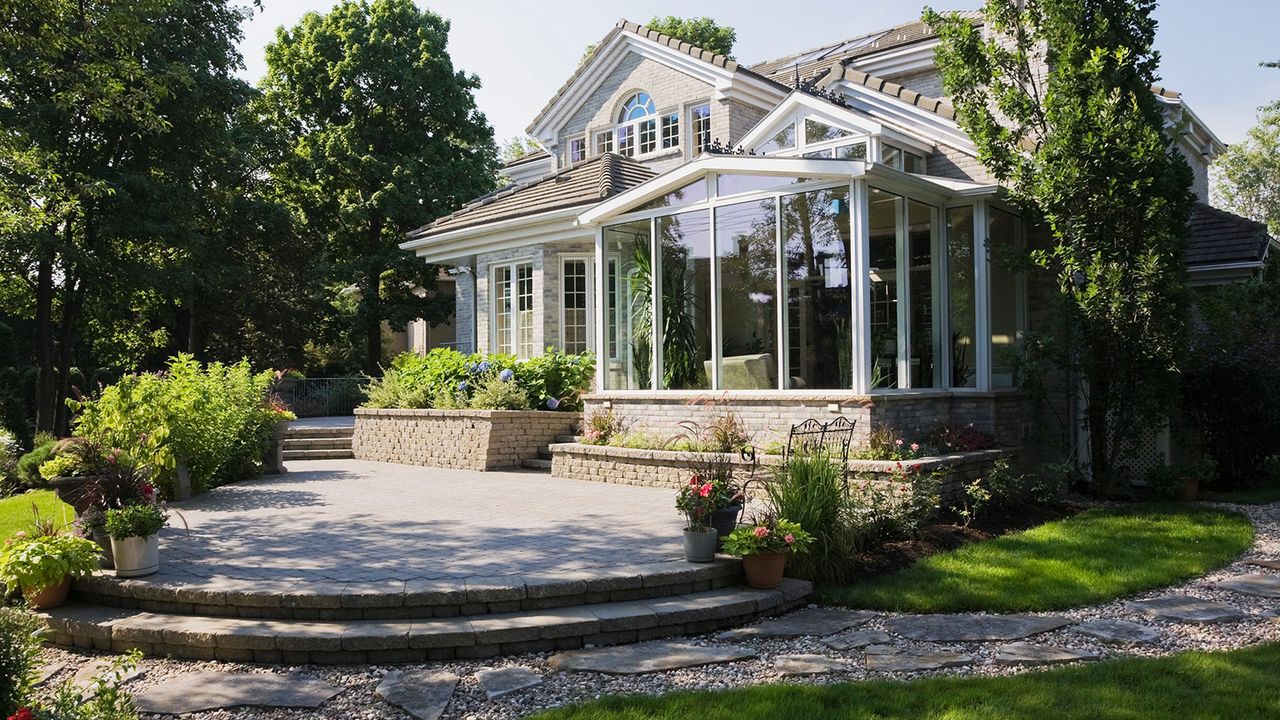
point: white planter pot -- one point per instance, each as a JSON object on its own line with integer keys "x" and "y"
{"x": 136, "y": 556}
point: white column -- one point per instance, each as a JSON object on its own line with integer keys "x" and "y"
{"x": 601, "y": 307}
{"x": 981, "y": 296}
{"x": 780, "y": 304}
{"x": 940, "y": 310}
{"x": 655, "y": 304}
{"x": 902, "y": 269}
{"x": 716, "y": 349}
{"x": 860, "y": 271}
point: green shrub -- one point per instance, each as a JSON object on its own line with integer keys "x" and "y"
{"x": 102, "y": 699}
{"x": 29, "y": 464}
{"x": 34, "y": 562}
{"x": 132, "y": 521}
{"x": 19, "y": 657}
{"x": 497, "y": 394}
{"x": 9, "y": 453}
{"x": 215, "y": 419}
{"x": 445, "y": 378}
{"x": 809, "y": 489}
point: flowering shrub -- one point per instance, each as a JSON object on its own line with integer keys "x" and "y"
{"x": 965, "y": 438}
{"x": 767, "y": 535}
{"x": 885, "y": 443}
{"x": 215, "y": 419}
{"x": 601, "y": 426}
{"x": 445, "y": 378}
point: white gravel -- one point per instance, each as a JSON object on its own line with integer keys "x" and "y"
{"x": 469, "y": 702}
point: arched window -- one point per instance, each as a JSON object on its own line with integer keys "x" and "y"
{"x": 639, "y": 130}
{"x": 637, "y": 107}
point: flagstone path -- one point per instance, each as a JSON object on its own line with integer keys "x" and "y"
{"x": 1226, "y": 609}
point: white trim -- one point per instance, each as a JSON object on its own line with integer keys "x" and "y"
{"x": 918, "y": 121}
{"x": 859, "y": 283}
{"x": 913, "y": 58}
{"x": 724, "y": 164}
{"x": 601, "y": 329}
{"x": 589, "y": 267}
{"x": 981, "y": 296}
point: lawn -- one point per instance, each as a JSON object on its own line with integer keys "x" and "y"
{"x": 1096, "y": 556}
{"x": 1238, "y": 684}
{"x": 15, "y": 512}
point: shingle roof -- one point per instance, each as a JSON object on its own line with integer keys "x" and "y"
{"x": 816, "y": 60}
{"x": 839, "y": 72}
{"x": 625, "y": 25}
{"x": 589, "y": 181}
{"x": 528, "y": 157}
{"x": 1218, "y": 237}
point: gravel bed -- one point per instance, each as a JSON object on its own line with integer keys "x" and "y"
{"x": 359, "y": 701}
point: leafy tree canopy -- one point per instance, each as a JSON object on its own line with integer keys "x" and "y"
{"x": 701, "y": 31}
{"x": 1056, "y": 96}
{"x": 1248, "y": 175}
{"x": 383, "y": 136}
{"x": 517, "y": 147}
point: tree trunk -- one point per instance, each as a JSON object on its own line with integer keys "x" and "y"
{"x": 372, "y": 325}
{"x": 73, "y": 291}
{"x": 45, "y": 386}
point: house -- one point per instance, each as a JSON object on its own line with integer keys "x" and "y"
{"x": 810, "y": 236}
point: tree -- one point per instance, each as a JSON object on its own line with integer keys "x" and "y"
{"x": 1248, "y": 174}
{"x": 91, "y": 169}
{"x": 383, "y": 136}
{"x": 517, "y": 147}
{"x": 700, "y": 31}
{"x": 1056, "y": 96}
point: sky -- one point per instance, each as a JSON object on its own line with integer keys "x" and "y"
{"x": 524, "y": 50}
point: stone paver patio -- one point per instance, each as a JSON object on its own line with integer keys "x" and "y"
{"x": 367, "y": 522}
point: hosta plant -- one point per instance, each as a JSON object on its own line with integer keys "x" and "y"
{"x": 33, "y": 563}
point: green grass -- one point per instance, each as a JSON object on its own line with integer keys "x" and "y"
{"x": 1096, "y": 556}
{"x": 1254, "y": 496}
{"x": 15, "y": 512}
{"x": 1238, "y": 684}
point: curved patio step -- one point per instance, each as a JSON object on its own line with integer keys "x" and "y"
{"x": 202, "y": 637}
{"x": 391, "y": 599}
{"x": 331, "y": 454}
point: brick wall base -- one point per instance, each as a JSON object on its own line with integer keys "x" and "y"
{"x": 670, "y": 469}
{"x": 460, "y": 439}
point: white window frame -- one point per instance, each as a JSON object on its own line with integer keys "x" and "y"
{"x": 588, "y": 261}
{"x": 585, "y": 147}
{"x": 513, "y": 315}
{"x": 694, "y": 147}
{"x": 634, "y": 131}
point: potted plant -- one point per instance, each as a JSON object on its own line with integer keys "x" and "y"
{"x": 276, "y": 416}
{"x": 42, "y": 565}
{"x": 697, "y": 501}
{"x": 118, "y": 483}
{"x": 764, "y": 546}
{"x": 135, "y": 541}
{"x": 75, "y": 463}
{"x": 729, "y": 499}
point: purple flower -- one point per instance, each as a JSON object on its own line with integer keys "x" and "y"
{"x": 552, "y": 403}
{"x": 483, "y": 366}
{"x": 462, "y": 385}
{"x": 506, "y": 375}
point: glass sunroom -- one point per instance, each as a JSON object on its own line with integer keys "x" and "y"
{"x": 748, "y": 273}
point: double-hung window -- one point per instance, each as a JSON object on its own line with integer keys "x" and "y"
{"x": 700, "y": 127}
{"x": 575, "y": 300}
{"x": 511, "y": 311}
{"x": 577, "y": 149}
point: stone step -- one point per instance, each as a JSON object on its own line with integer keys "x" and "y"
{"x": 544, "y": 454}
{"x": 331, "y": 454}
{"x": 320, "y": 432}
{"x": 317, "y": 443}
{"x": 413, "y": 640}
{"x": 538, "y": 463}
{"x": 300, "y": 600}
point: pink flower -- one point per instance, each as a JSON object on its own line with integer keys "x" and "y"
{"x": 705, "y": 491}
{"x": 762, "y": 532}
{"x": 20, "y": 534}
{"x": 789, "y": 538}
{"x": 898, "y": 442}
{"x": 915, "y": 447}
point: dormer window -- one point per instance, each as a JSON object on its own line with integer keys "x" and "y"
{"x": 640, "y": 131}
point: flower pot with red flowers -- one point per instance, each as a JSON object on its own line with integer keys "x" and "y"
{"x": 42, "y": 565}
{"x": 698, "y": 501}
{"x": 764, "y": 547}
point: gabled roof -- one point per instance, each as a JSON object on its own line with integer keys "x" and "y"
{"x": 815, "y": 61}
{"x": 839, "y": 72}
{"x": 626, "y": 26}
{"x": 589, "y": 181}
{"x": 1219, "y": 238}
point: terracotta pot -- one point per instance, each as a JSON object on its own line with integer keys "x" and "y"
{"x": 764, "y": 571}
{"x": 700, "y": 545}
{"x": 136, "y": 556}
{"x": 50, "y": 597}
{"x": 1190, "y": 490}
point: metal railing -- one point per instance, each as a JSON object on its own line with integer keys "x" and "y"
{"x": 321, "y": 397}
